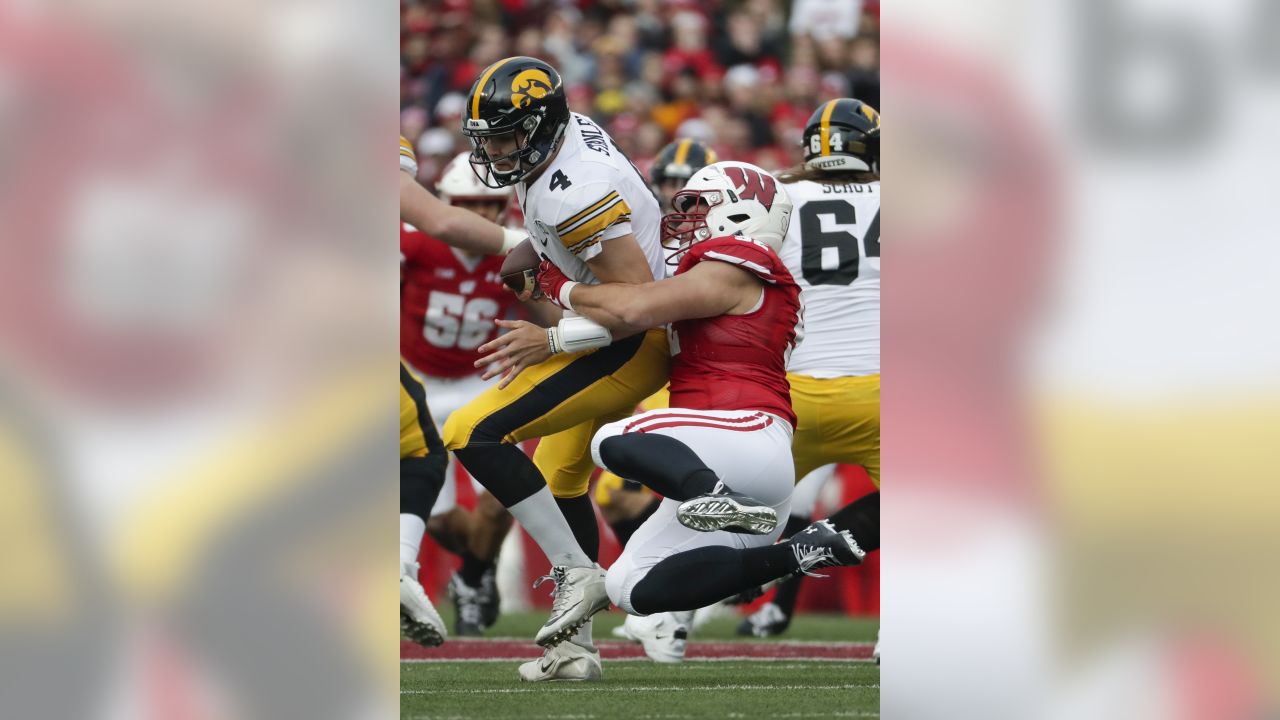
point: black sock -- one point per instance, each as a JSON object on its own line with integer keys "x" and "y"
{"x": 420, "y": 481}
{"x": 697, "y": 578}
{"x": 624, "y": 529}
{"x": 789, "y": 589}
{"x": 663, "y": 463}
{"x": 504, "y": 470}
{"x": 862, "y": 519}
{"x": 473, "y": 569}
{"x": 582, "y": 519}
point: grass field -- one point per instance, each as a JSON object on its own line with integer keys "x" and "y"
{"x": 723, "y": 687}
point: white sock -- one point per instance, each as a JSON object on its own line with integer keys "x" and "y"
{"x": 583, "y": 637}
{"x": 412, "y": 528}
{"x": 539, "y": 515}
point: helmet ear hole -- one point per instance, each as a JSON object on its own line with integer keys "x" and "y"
{"x": 739, "y": 218}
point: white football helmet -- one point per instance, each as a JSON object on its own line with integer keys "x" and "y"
{"x": 459, "y": 182}
{"x": 728, "y": 198}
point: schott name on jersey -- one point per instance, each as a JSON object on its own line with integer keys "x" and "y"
{"x": 592, "y": 136}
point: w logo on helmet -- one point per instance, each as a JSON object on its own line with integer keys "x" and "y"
{"x": 752, "y": 185}
{"x": 529, "y": 85}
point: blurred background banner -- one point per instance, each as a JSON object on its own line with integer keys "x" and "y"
{"x": 1081, "y": 363}
{"x": 197, "y": 323}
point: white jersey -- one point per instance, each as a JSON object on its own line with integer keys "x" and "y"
{"x": 588, "y": 195}
{"x": 833, "y": 250}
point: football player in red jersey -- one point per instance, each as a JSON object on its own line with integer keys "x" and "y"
{"x": 721, "y": 454}
{"x": 449, "y": 299}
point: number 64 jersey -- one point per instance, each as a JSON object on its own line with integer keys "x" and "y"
{"x": 833, "y": 251}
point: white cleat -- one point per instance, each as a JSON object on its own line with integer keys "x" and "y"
{"x": 579, "y": 594}
{"x": 419, "y": 620}
{"x": 875, "y": 653}
{"x": 566, "y": 661}
{"x": 665, "y": 636}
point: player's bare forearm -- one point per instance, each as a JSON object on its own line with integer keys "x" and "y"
{"x": 460, "y": 228}
{"x": 709, "y": 289}
{"x": 543, "y": 313}
{"x": 613, "y": 305}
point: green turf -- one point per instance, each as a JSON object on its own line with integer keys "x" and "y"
{"x": 637, "y": 690}
{"x": 646, "y": 691}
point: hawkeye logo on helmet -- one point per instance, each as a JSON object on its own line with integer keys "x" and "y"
{"x": 529, "y": 85}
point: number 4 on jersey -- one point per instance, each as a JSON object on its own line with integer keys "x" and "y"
{"x": 559, "y": 181}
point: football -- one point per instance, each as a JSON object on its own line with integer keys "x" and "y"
{"x": 520, "y": 268}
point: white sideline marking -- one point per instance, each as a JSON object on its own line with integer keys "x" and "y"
{"x": 641, "y": 688}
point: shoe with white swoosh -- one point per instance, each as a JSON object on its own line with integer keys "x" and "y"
{"x": 566, "y": 661}
{"x": 664, "y": 636}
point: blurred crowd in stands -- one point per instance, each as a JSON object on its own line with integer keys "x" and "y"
{"x": 742, "y": 75}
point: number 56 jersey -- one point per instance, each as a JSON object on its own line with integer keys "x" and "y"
{"x": 833, "y": 251}
{"x": 448, "y": 302}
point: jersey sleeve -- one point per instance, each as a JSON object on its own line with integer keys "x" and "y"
{"x": 408, "y": 160}
{"x": 411, "y": 244}
{"x": 754, "y": 257}
{"x": 590, "y": 215}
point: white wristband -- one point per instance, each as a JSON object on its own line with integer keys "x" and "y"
{"x": 565, "y": 290}
{"x": 575, "y": 334}
{"x": 510, "y": 239}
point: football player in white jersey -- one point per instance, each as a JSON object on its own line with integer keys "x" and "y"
{"x": 590, "y": 212}
{"x": 833, "y": 251}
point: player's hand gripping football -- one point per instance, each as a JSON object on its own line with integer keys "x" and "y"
{"x": 550, "y": 281}
{"x": 523, "y": 345}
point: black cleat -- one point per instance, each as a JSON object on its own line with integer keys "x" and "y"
{"x": 487, "y": 594}
{"x": 469, "y": 620}
{"x": 821, "y": 545}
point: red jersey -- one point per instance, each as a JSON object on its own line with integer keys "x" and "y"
{"x": 738, "y": 362}
{"x": 448, "y": 302}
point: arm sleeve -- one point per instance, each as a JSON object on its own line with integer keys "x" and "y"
{"x": 408, "y": 160}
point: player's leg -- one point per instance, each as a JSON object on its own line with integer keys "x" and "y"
{"x": 490, "y": 523}
{"x": 637, "y": 449}
{"x": 422, "y": 463}
{"x": 556, "y": 395}
{"x": 748, "y": 450}
{"x": 473, "y": 588}
{"x": 774, "y": 617}
{"x": 564, "y": 459}
{"x": 449, "y": 525}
